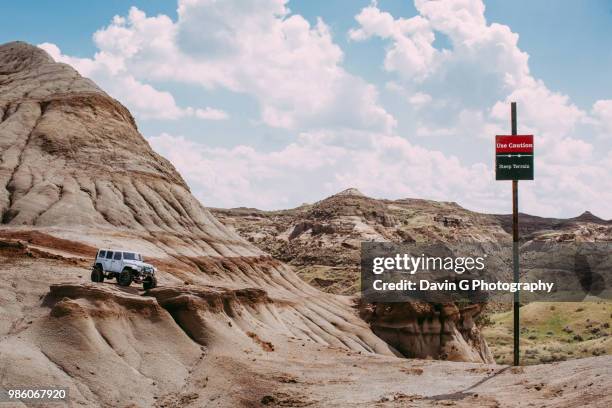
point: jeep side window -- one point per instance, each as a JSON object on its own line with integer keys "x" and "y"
{"x": 117, "y": 256}
{"x": 109, "y": 255}
{"x": 101, "y": 254}
{"x": 130, "y": 256}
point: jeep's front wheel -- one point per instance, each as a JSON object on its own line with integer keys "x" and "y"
{"x": 124, "y": 278}
{"x": 97, "y": 275}
{"x": 149, "y": 282}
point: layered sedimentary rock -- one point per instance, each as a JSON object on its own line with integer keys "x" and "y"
{"x": 443, "y": 331}
{"x": 323, "y": 240}
{"x": 76, "y": 175}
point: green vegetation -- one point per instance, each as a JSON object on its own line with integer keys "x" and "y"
{"x": 553, "y": 332}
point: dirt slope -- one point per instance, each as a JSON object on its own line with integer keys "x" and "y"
{"x": 228, "y": 326}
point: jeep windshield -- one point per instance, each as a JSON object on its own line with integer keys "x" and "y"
{"x": 131, "y": 256}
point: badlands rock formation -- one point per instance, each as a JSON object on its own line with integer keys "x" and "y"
{"x": 77, "y": 175}
{"x": 228, "y": 325}
{"x": 323, "y": 240}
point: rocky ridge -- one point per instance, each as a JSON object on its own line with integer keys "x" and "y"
{"x": 322, "y": 240}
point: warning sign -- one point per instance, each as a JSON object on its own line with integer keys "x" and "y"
{"x": 514, "y": 157}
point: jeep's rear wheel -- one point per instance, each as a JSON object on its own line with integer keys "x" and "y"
{"x": 149, "y": 282}
{"x": 125, "y": 278}
{"x": 97, "y": 275}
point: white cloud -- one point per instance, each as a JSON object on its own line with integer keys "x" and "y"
{"x": 484, "y": 66}
{"x": 294, "y": 71}
{"x": 211, "y": 114}
{"x": 424, "y": 130}
{"x": 471, "y": 86}
{"x": 419, "y": 99}
{"x": 142, "y": 99}
{"x": 292, "y": 68}
{"x": 381, "y": 165}
{"x": 411, "y": 53}
{"x": 321, "y": 163}
{"x": 549, "y": 113}
{"x": 602, "y": 117}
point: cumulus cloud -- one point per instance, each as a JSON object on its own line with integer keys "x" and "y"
{"x": 322, "y": 162}
{"x": 602, "y": 117}
{"x": 211, "y": 114}
{"x": 292, "y": 68}
{"x": 471, "y": 84}
{"x": 345, "y": 137}
{"x": 484, "y": 69}
{"x": 142, "y": 99}
{"x": 411, "y": 53}
{"x": 419, "y": 99}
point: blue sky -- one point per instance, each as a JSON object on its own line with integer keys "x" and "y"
{"x": 278, "y": 104}
{"x": 570, "y": 40}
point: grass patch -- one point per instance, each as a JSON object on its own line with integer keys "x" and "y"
{"x": 553, "y": 332}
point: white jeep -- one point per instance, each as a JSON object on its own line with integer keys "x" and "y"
{"x": 126, "y": 267}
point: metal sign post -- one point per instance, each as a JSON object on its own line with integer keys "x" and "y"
{"x": 515, "y": 252}
{"x": 514, "y": 161}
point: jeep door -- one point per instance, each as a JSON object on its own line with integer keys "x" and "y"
{"x": 117, "y": 264}
{"x": 108, "y": 260}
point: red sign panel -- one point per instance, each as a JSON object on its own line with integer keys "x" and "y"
{"x": 514, "y": 144}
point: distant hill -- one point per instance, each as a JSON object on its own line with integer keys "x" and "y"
{"x": 322, "y": 240}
